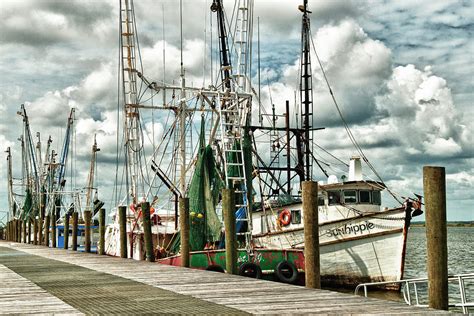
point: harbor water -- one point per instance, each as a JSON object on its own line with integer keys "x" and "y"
{"x": 460, "y": 261}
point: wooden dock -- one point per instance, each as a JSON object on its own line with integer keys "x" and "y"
{"x": 36, "y": 279}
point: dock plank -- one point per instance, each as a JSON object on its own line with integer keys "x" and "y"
{"x": 237, "y": 293}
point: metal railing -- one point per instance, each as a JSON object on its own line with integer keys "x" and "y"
{"x": 410, "y": 284}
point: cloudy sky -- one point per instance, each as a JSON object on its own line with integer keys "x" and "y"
{"x": 402, "y": 72}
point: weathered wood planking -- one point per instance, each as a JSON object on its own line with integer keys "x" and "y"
{"x": 249, "y": 295}
{"x": 20, "y": 296}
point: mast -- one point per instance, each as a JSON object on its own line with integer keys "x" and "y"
{"x": 182, "y": 113}
{"x": 90, "y": 180}
{"x": 306, "y": 89}
{"x": 11, "y": 200}
{"x": 129, "y": 86}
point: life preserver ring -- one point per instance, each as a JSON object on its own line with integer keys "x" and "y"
{"x": 286, "y": 272}
{"x": 250, "y": 270}
{"x": 285, "y": 217}
{"x": 215, "y": 268}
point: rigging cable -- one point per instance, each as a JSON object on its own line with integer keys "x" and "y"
{"x": 346, "y": 126}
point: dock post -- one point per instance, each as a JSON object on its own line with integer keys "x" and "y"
{"x": 15, "y": 230}
{"x": 434, "y": 186}
{"x": 40, "y": 231}
{"x": 184, "y": 230}
{"x": 101, "y": 231}
{"x": 150, "y": 255}
{"x": 23, "y": 227}
{"x": 123, "y": 230}
{"x": 311, "y": 234}
{"x": 29, "y": 230}
{"x": 18, "y": 227}
{"x": 228, "y": 207}
{"x": 75, "y": 220}
{"x": 54, "y": 231}
{"x": 35, "y": 231}
{"x": 87, "y": 224}
{"x": 47, "y": 221}
{"x": 66, "y": 231}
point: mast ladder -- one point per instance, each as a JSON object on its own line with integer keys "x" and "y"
{"x": 232, "y": 124}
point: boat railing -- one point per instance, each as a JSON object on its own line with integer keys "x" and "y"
{"x": 412, "y": 286}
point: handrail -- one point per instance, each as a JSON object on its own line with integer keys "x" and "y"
{"x": 460, "y": 278}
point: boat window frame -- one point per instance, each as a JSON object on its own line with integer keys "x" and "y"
{"x": 339, "y": 195}
{"x": 294, "y": 217}
{"x": 356, "y": 200}
{"x": 378, "y": 200}
{"x": 369, "y": 192}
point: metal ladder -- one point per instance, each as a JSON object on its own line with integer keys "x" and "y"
{"x": 129, "y": 76}
{"x": 241, "y": 36}
{"x": 232, "y": 133}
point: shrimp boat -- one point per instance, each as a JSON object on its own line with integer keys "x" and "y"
{"x": 208, "y": 142}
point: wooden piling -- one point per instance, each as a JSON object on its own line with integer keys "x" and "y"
{"x": 18, "y": 228}
{"x": 29, "y": 230}
{"x": 15, "y": 229}
{"x": 35, "y": 231}
{"x": 66, "y": 231}
{"x": 228, "y": 208}
{"x": 47, "y": 221}
{"x": 24, "y": 224}
{"x": 75, "y": 220}
{"x": 40, "y": 231}
{"x": 54, "y": 231}
{"x": 184, "y": 230}
{"x": 87, "y": 224}
{"x": 311, "y": 234}
{"x": 101, "y": 232}
{"x": 123, "y": 230}
{"x": 150, "y": 255}
{"x": 434, "y": 186}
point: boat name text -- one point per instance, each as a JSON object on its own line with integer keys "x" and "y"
{"x": 353, "y": 229}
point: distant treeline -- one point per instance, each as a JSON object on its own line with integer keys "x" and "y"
{"x": 449, "y": 224}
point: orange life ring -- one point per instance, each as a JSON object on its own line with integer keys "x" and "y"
{"x": 285, "y": 217}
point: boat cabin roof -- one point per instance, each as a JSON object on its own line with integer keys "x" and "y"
{"x": 357, "y": 185}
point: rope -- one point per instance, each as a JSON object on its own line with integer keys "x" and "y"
{"x": 346, "y": 126}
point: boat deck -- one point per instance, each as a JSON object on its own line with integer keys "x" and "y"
{"x": 36, "y": 279}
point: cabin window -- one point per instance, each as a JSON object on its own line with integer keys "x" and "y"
{"x": 296, "y": 216}
{"x": 376, "y": 199}
{"x": 321, "y": 201}
{"x": 364, "y": 196}
{"x": 334, "y": 197}
{"x": 350, "y": 196}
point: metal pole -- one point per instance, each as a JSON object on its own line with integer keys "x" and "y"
{"x": 184, "y": 230}
{"x": 228, "y": 207}
{"x": 102, "y": 231}
{"x": 311, "y": 234}
{"x": 434, "y": 185}
{"x": 75, "y": 221}
{"x": 123, "y": 230}
{"x": 150, "y": 256}
{"x": 87, "y": 224}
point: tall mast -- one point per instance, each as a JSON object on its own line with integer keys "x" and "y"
{"x": 90, "y": 180}
{"x": 243, "y": 43}
{"x": 306, "y": 89}
{"x": 11, "y": 200}
{"x": 182, "y": 113}
{"x": 129, "y": 80}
